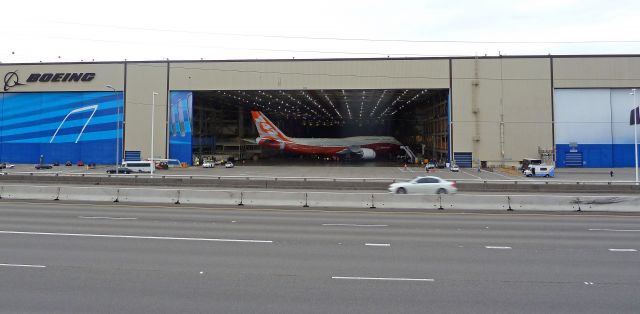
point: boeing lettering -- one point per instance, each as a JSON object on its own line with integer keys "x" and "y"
{"x": 61, "y": 77}
{"x": 11, "y": 78}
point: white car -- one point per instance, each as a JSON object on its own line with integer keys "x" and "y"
{"x": 424, "y": 185}
{"x": 454, "y": 168}
{"x": 208, "y": 164}
{"x": 228, "y": 164}
{"x": 429, "y": 166}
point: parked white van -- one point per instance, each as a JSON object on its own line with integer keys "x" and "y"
{"x": 138, "y": 166}
{"x": 540, "y": 171}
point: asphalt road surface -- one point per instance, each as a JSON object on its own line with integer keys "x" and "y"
{"x": 75, "y": 258}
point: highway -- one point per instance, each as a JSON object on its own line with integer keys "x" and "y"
{"x": 112, "y": 258}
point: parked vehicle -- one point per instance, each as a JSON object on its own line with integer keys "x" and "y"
{"x": 43, "y": 166}
{"x": 228, "y": 165}
{"x": 162, "y": 165}
{"x": 429, "y": 166}
{"x": 424, "y": 185}
{"x": 137, "y": 166}
{"x": 540, "y": 171}
{"x": 209, "y": 164}
{"x": 525, "y": 163}
{"x": 120, "y": 170}
{"x": 454, "y": 168}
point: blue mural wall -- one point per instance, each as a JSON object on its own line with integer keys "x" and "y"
{"x": 180, "y": 128}
{"x": 594, "y": 123}
{"x": 60, "y": 126}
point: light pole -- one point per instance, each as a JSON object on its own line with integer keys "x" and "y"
{"x": 153, "y": 111}
{"x": 117, "y": 129}
{"x": 635, "y": 129}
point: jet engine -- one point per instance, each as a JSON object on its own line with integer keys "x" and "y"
{"x": 367, "y": 153}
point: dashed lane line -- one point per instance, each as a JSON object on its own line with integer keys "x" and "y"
{"x": 384, "y": 278}
{"x": 131, "y": 236}
{"x": 616, "y": 230}
{"x": 107, "y": 218}
{"x": 23, "y": 265}
{"x": 354, "y": 225}
{"x": 378, "y": 244}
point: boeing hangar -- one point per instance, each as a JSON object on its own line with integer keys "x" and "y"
{"x": 475, "y": 111}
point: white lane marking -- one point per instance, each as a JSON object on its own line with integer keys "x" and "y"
{"x": 110, "y": 218}
{"x": 499, "y": 247}
{"x": 588, "y": 283}
{"x": 355, "y": 225}
{"x": 23, "y": 265}
{"x": 410, "y": 169}
{"x": 132, "y": 236}
{"x": 471, "y": 174}
{"x": 383, "y": 278}
{"x": 500, "y": 174}
{"x": 377, "y": 244}
{"x": 616, "y": 230}
{"x": 623, "y": 250}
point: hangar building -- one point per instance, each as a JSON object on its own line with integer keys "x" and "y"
{"x": 570, "y": 110}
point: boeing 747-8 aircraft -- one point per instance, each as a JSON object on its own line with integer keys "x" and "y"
{"x": 367, "y": 147}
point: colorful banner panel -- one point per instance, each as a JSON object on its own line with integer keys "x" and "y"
{"x": 60, "y": 127}
{"x": 180, "y": 116}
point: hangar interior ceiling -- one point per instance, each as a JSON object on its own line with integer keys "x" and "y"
{"x": 416, "y": 117}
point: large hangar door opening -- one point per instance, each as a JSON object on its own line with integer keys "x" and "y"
{"x": 329, "y": 125}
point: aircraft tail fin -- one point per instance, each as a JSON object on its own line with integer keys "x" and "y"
{"x": 266, "y": 128}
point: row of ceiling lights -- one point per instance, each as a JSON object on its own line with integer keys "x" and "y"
{"x": 270, "y": 102}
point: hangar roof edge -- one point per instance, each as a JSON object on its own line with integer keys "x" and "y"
{"x": 336, "y": 59}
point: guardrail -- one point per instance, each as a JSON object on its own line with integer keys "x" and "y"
{"x": 508, "y": 202}
{"x": 312, "y": 179}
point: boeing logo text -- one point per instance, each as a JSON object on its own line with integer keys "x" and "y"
{"x": 11, "y": 79}
{"x": 61, "y": 77}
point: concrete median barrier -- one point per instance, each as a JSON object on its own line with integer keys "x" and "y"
{"x": 607, "y": 203}
{"x": 329, "y": 199}
{"x": 543, "y": 202}
{"x": 268, "y": 198}
{"x": 93, "y": 194}
{"x": 475, "y": 202}
{"x": 30, "y": 192}
{"x": 624, "y": 203}
{"x": 148, "y": 195}
{"x": 209, "y": 197}
{"x": 405, "y": 201}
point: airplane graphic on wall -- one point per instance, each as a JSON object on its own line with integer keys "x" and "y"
{"x": 366, "y": 147}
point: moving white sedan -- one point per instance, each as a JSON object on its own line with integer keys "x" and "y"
{"x": 424, "y": 185}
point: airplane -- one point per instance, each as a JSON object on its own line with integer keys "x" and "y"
{"x": 366, "y": 147}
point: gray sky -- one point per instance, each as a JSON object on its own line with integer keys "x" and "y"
{"x": 51, "y": 31}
